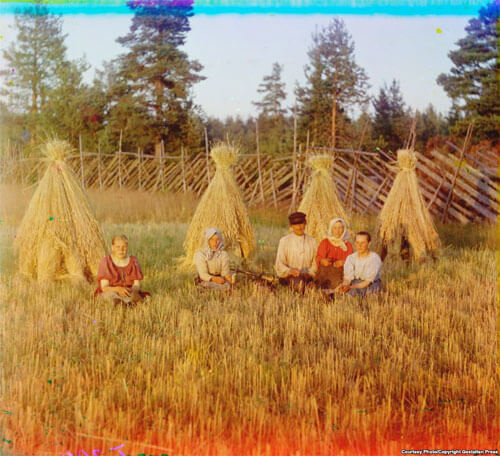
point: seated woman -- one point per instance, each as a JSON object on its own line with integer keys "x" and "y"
{"x": 119, "y": 275}
{"x": 212, "y": 262}
{"x": 331, "y": 256}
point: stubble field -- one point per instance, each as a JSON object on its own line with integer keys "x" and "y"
{"x": 251, "y": 373}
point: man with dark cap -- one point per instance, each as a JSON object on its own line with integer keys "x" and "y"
{"x": 296, "y": 257}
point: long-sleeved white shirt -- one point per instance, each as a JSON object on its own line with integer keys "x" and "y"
{"x": 368, "y": 268}
{"x": 296, "y": 252}
{"x": 218, "y": 265}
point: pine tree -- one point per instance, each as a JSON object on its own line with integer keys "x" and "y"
{"x": 151, "y": 84}
{"x": 64, "y": 112}
{"x": 430, "y": 126}
{"x": 272, "y": 118}
{"x": 392, "y": 118}
{"x": 472, "y": 82}
{"x": 36, "y": 63}
{"x": 382, "y": 128}
{"x": 360, "y": 132}
{"x": 396, "y": 100}
{"x": 273, "y": 90}
{"x": 334, "y": 83}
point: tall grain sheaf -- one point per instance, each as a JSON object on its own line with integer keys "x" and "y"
{"x": 320, "y": 202}
{"x": 221, "y": 206}
{"x": 59, "y": 236}
{"x": 405, "y": 213}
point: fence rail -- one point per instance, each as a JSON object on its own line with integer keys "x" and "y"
{"x": 363, "y": 179}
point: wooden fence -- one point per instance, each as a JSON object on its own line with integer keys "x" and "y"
{"x": 457, "y": 189}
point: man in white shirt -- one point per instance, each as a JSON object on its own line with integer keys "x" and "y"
{"x": 296, "y": 257}
{"x": 362, "y": 269}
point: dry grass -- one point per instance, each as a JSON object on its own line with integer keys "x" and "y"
{"x": 118, "y": 206}
{"x": 320, "y": 201}
{"x": 253, "y": 373}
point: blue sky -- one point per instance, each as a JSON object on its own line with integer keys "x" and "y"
{"x": 237, "y": 50}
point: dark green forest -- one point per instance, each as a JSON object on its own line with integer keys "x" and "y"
{"x": 144, "y": 96}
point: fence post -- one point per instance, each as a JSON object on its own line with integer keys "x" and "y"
{"x": 183, "y": 170}
{"x": 120, "y": 161}
{"x": 258, "y": 160}
{"x": 81, "y": 161}
{"x": 162, "y": 151}
{"x": 435, "y": 195}
{"x": 294, "y": 181}
{"x": 304, "y": 172}
{"x": 350, "y": 196}
{"x": 273, "y": 189}
{"x": 375, "y": 195}
{"x": 99, "y": 172}
{"x": 140, "y": 167}
{"x": 300, "y": 173}
{"x": 462, "y": 153}
{"x": 295, "y": 130}
{"x": 352, "y": 204}
{"x": 207, "y": 155}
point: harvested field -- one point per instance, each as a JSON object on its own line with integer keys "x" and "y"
{"x": 251, "y": 373}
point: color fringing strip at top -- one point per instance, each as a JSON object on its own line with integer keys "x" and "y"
{"x": 366, "y": 7}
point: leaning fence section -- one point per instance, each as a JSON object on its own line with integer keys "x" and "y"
{"x": 459, "y": 189}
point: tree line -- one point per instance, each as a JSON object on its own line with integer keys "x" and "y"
{"x": 144, "y": 96}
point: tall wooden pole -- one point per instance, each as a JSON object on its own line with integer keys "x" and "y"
{"x": 294, "y": 188}
{"x": 412, "y": 137}
{"x": 184, "y": 187}
{"x": 258, "y": 160}
{"x": 120, "y": 160}
{"x": 350, "y": 196}
{"x": 462, "y": 153}
{"x": 162, "y": 173}
{"x": 207, "y": 155}
{"x": 81, "y": 161}
{"x": 294, "y": 155}
{"x": 306, "y": 158}
{"x": 273, "y": 189}
{"x": 99, "y": 172}
{"x": 295, "y": 129}
{"x": 140, "y": 167}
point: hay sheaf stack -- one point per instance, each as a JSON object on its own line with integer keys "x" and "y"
{"x": 405, "y": 213}
{"x": 59, "y": 236}
{"x": 320, "y": 202}
{"x": 221, "y": 206}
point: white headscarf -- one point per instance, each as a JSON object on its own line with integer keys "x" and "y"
{"x": 338, "y": 242}
{"x": 207, "y": 252}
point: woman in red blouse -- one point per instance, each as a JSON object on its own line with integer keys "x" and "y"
{"x": 331, "y": 255}
{"x": 119, "y": 275}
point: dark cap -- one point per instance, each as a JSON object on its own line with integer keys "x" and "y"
{"x": 296, "y": 218}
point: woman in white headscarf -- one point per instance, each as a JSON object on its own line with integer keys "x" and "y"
{"x": 212, "y": 262}
{"x": 332, "y": 253}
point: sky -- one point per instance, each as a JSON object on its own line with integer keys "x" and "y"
{"x": 237, "y": 50}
